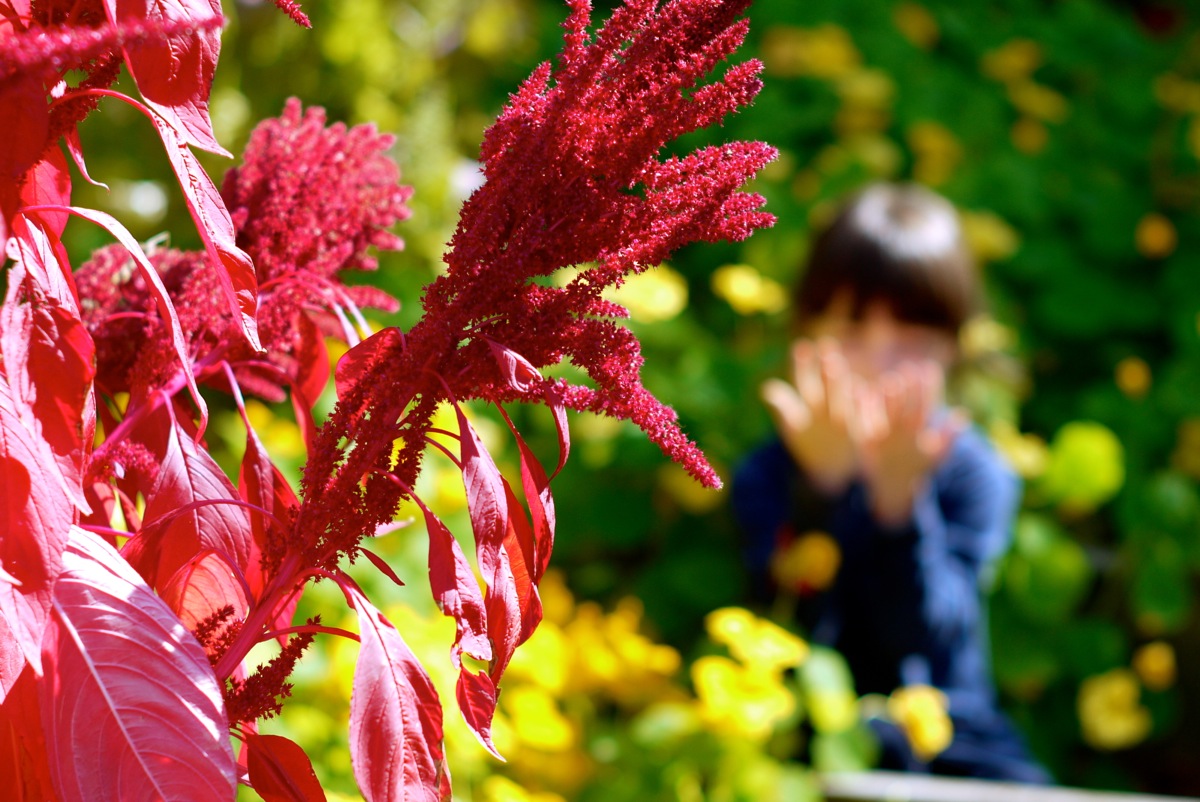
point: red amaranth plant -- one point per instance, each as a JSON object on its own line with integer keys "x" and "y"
{"x": 123, "y": 650}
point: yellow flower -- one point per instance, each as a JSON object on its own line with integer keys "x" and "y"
{"x": 809, "y": 563}
{"x": 1086, "y": 466}
{"x": 280, "y": 435}
{"x": 985, "y": 335}
{"x": 536, "y": 720}
{"x": 1186, "y": 456}
{"x": 1155, "y": 236}
{"x": 1037, "y": 101}
{"x": 755, "y": 641}
{"x": 879, "y": 154}
{"x": 1029, "y": 136}
{"x": 656, "y": 295}
{"x": 1110, "y": 714}
{"x": 916, "y": 24}
{"x": 1013, "y": 61}
{"x": 689, "y": 494}
{"x": 1133, "y": 377}
{"x": 738, "y": 700}
{"x": 1026, "y": 453}
{"x": 826, "y": 51}
{"x": 867, "y": 88}
{"x": 748, "y": 291}
{"x": 988, "y": 236}
{"x": 832, "y": 710}
{"x": 1154, "y": 664}
{"x": 498, "y": 788}
{"x": 936, "y": 150}
{"x": 920, "y": 711}
{"x": 1176, "y": 93}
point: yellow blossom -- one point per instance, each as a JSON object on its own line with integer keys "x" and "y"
{"x": 1038, "y": 101}
{"x": 1132, "y": 375}
{"x": 755, "y": 641}
{"x": 985, "y": 335}
{"x": 1186, "y": 456}
{"x": 656, "y": 295}
{"x": 809, "y": 563}
{"x": 936, "y": 150}
{"x": 740, "y": 700}
{"x": 1155, "y": 236}
{"x": 988, "y": 236}
{"x": 748, "y": 291}
{"x": 1029, "y": 136}
{"x": 536, "y": 720}
{"x": 916, "y": 24}
{"x": 498, "y": 788}
{"x": 1013, "y": 61}
{"x": 866, "y": 87}
{"x": 879, "y": 154}
{"x": 1110, "y": 713}
{"x": 826, "y": 51}
{"x": 1026, "y": 453}
{"x": 689, "y": 494}
{"x": 1154, "y": 664}
{"x": 921, "y": 713}
{"x": 280, "y": 435}
{"x": 1176, "y": 93}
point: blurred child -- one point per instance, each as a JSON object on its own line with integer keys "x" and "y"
{"x": 867, "y": 452}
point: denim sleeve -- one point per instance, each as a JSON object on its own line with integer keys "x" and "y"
{"x": 940, "y": 562}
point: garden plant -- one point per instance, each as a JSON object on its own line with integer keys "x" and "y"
{"x": 136, "y": 579}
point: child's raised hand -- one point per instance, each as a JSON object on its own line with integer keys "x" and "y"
{"x": 900, "y": 439}
{"x": 813, "y": 413}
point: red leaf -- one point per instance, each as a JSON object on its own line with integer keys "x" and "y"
{"x": 381, "y": 565}
{"x": 49, "y": 356}
{"x": 163, "y": 300}
{"x": 476, "y": 695}
{"x": 313, "y": 360}
{"x": 35, "y": 515}
{"x": 538, "y": 498}
{"x": 488, "y": 497}
{"x": 175, "y": 76}
{"x": 260, "y": 483}
{"x": 130, "y": 704}
{"x": 175, "y": 524}
{"x": 23, "y": 763}
{"x": 204, "y": 585}
{"x": 456, "y": 591}
{"x": 280, "y": 771}
{"x": 395, "y": 717}
{"x": 49, "y": 184}
{"x": 235, "y": 270}
{"x": 75, "y": 148}
{"x": 22, "y": 140}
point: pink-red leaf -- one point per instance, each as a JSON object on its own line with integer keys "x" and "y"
{"x": 488, "y": 502}
{"x": 22, "y": 139}
{"x": 130, "y": 705}
{"x": 35, "y": 516}
{"x": 176, "y": 523}
{"x": 476, "y": 696}
{"x": 456, "y": 591}
{"x": 48, "y": 183}
{"x": 395, "y": 717}
{"x": 49, "y": 356}
{"x": 204, "y": 586}
{"x": 280, "y": 771}
{"x": 235, "y": 270}
{"x": 162, "y": 299}
{"x": 175, "y": 75}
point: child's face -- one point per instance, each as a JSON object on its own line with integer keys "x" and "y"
{"x": 877, "y": 342}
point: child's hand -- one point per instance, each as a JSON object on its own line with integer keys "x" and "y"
{"x": 813, "y": 413}
{"x": 900, "y": 443}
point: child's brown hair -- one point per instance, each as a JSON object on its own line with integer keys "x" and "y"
{"x": 900, "y": 244}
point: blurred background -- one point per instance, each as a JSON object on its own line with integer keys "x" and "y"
{"x": 1069, "y": 135}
